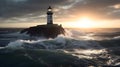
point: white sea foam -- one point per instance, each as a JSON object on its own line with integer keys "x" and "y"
{"x": 55, "y": 43}
{"x": 117, "y": 37}
{"x": 76, "y": 34}
{"x": 113, "y": 38}
{"x": 2, "y": 47}
{"x": 15, "y": 45}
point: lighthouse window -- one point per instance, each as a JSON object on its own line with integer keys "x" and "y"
{"x": 49, "y": 9}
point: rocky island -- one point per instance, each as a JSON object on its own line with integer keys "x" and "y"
{"x": 48, "y": 30}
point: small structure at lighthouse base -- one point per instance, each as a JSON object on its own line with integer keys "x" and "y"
{"x": 48, "y": 30}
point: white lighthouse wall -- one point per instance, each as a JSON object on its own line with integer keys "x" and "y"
{"x": 49, "y": 19}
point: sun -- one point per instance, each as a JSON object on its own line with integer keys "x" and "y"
{"x": 85, "y": 22}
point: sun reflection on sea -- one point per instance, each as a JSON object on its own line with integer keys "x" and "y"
{"x": 88, "y": 53}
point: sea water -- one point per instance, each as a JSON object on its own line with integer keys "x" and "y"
{"x": 78, "y": 48}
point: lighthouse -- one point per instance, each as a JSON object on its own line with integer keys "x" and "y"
{"x": 49, "y": 16}
{"x": 48, "y": 30}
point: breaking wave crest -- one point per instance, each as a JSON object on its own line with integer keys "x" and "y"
{"x": 59, "y": 42}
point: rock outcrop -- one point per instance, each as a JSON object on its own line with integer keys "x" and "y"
{"x": 48, "y": 31}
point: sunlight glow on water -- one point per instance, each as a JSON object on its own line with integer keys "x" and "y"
{"x": 88, "y": 53}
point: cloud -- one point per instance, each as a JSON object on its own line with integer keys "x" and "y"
{"x": 116, "y": 6}
{"x": 36, "y": 9}
{"x": 11, "y": 8}
{"x": 97, "y": 8}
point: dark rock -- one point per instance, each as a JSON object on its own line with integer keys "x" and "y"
{"x": 48, "y": 31}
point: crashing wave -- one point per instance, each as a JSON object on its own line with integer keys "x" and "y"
{"x": 72, "y": 44}
{"x": 60, "y": 42}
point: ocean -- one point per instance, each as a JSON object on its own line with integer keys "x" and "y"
{"x": 98, "y": 47}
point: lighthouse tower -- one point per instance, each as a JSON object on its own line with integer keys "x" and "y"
{"x": 49, "y": 16}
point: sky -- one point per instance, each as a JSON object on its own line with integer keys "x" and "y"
{"x": 69, "y": 13}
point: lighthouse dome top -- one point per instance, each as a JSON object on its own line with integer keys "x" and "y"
{"x": 49, "y": 7}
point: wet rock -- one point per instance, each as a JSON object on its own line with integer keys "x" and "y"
{"x": 48, "y": 31}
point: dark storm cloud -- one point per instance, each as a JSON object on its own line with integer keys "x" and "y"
{"x": 35, "y": 9}
{"x": 11, "y": 8}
